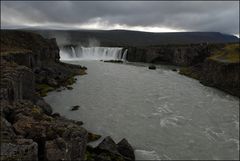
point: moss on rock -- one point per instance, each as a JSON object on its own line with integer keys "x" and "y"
{"x": 43, "y": 89}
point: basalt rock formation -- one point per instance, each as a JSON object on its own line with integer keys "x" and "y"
{"x": 198, "y": 61}
{"x": 181, "y": 55}
{"x": 30, "y": 68}
{"x": 28, "y": 129}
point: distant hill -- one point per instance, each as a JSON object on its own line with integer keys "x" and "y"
{"x": 136, "y": 38}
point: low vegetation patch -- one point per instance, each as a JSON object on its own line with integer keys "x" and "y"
{"x": 193, "y": 72}
{"x": 229, "y": 54}
{"x": 43, "y": 89}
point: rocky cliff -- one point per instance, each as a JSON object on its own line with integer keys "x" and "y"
{"x": 28, "y": 129}
{"x": 215, "y": 65}
{"x": 30, "y": 67}
{"x": 182, "y": 55}
{"x": 224, "y": 76}
{"x": 220, "y": 70}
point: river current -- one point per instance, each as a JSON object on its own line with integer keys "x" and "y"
{"x": 162, "y": 114}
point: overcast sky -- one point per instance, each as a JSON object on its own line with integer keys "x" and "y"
{"x": 156, "y": 16}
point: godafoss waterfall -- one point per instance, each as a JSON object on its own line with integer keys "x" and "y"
{"x": 164, "y": 115}
{"x": 93, "y": 53}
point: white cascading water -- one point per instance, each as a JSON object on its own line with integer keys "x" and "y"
{"x": 94, "y": 53}
{"x": 73, "y": 52}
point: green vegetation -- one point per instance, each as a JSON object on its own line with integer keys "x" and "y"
{"x": 43, "y": 89}
{"x": 13, "y": 41}
{"x": 93, "y": 137}
{"x": 190, "y": 72}
{"x": 229, "y": 54}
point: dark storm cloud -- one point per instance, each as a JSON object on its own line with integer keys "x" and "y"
{"x": 190, "y": 16}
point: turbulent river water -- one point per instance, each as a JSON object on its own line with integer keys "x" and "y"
{"x": 164, "y": 115}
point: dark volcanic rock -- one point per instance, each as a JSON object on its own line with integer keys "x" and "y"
{"x": 74, "y": 108}
{"x": 152, "y": 67}
{"x": 22, "y": 149}
{"x": 182, "y": 55}
{"x": 224, "y": 76}
{"x": 113, "y": 61}
{"x": 45, "y": 106}
{"x": 56, "y": 150}
{"x": 30, "y": 68}
{"x": 126, "y": 149}
{"x": 108, "y": 145}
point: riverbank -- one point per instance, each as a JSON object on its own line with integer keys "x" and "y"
{"x": 30, "y": 68}
{"x": 215, "y": 65}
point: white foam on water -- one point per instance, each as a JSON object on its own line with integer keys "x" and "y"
{"x": 146, "y": 155}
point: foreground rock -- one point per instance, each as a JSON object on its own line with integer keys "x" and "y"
{"x": 30, "y": 68}
{"x": 109, "y": 150}
{"x": 126, "y": 149}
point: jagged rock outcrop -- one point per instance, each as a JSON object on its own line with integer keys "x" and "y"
{"x": 109, "y": 150}
{"x": 45, "y": 137}
{"x": 17, "y": 82}
{"x": 30, "y": 68}
{"x": 29, "y": 130}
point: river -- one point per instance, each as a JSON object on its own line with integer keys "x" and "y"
{"x": 162, "y": 114}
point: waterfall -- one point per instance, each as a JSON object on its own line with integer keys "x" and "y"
{"x": 93, "y": 53}
{"x": 73, "y": 52}
{"x": 124, "y": 57}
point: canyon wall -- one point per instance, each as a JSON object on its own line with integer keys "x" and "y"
{"x": 194, "y": 62}
{"x": 184, "y": 55}
{"x": 29, "y": 130}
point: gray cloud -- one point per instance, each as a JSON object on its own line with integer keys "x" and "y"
{"x": 222, "y": 16}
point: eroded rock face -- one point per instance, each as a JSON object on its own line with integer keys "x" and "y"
{"x": 56, "y": 150}
{"x": 22, "y": 149}
{"x": 175, "y": 55}
{"x": 56, "y": 137}
{"x": 224, "y": 76}
{"x": 17, "y": 82}
{"x": 126, "y": 149}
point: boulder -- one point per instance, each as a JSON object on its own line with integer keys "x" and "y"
{"x": 76, "y": 139}
{"x": 7, "y": 133}
{"x": 108, "y": 145}
{"x": 56, "y": 150}
{"x": 126, "y": 149}
{"x": 45, "y": 106}
{"x": 74, "y": 108}
{"x": 22, "y": 149}
{"x": 152, "y": 67}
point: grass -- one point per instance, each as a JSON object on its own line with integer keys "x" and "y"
{"x": 190, "y": 72}
{"x": 13, "y": 41}
{"x": 229, "y": 54}
{"x": 43, "y": 89}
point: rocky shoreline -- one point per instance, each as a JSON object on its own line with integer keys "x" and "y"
{"x": 30, "y": 68}
{"x": 197, "y": 61}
